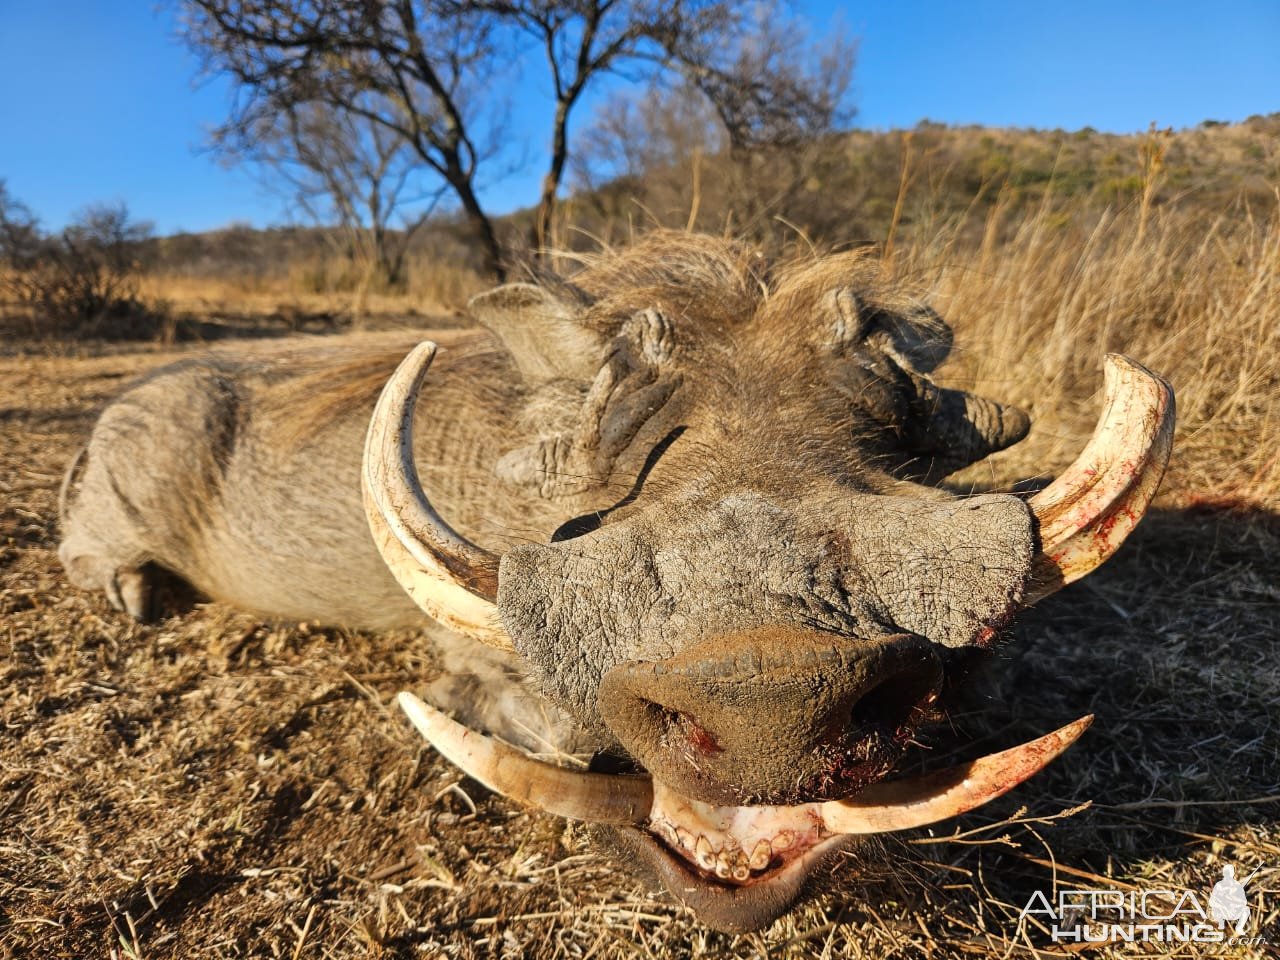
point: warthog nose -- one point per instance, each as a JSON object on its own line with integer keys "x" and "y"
{"x": 772, "y": 716}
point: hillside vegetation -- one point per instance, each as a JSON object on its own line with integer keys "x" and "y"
{"x": 861, "y": 186}
{"x": 974, "y": 186}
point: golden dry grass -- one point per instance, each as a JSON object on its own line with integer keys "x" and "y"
{"x": 218, "y": 787}
{"x": 319, "y": 287}
{"x": 1197, "y": 302}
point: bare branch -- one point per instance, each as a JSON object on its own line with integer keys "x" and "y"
{"x": 423, "y": 71}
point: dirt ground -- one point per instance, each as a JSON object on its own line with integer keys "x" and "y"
{"x": 216, "y": 786}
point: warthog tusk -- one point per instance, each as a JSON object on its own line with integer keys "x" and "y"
{"x": 448, "y": 576}
{"x": 920, "y": 801}
{"x": 1093, "y": 506}
{"x": 594, "y": 797}
{"x": 607, "y": 798}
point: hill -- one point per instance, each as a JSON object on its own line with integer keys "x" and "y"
{"x": 861, "y": 186}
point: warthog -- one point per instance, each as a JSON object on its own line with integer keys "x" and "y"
{"x": 692, "y": 496}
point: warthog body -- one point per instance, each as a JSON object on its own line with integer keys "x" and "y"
{"x": 242, "y": 476}
{"x": 692, "y": 496}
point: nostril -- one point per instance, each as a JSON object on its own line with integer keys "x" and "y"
{"x": 897, "y": 704}
{"x": 678, "y": 727}
{"x": 700, "y": 738}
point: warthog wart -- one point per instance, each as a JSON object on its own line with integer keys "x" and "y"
{"x": 691, "y": 496}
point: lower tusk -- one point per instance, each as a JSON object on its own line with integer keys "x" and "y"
{"x": 1094, "y": 505}
{"x": 920, "y": 801}
{"x": 593, "y": 797}
{"x": 629, "y": 800}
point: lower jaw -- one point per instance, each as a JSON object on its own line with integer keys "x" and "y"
{"x": 726, "y": 907}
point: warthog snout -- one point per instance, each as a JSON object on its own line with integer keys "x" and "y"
{"x": 776, "y": 715}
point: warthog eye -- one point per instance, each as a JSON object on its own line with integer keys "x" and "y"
{"x": 587, "y": 522}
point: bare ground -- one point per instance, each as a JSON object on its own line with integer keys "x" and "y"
{"x": 215, "y": 786}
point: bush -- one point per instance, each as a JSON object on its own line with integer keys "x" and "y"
{"x": 20, "y": 244}
{"x": 83, "y": 280}
{"x": 1122, "y": 189}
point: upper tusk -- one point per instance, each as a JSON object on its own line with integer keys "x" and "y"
{"x": 594, "y": 797}
{"x": 448, "y": 576}
{"x": 1087, "y": 512}
{"x": 919, "y": 801}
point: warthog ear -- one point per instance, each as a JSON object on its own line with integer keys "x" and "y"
{"x": 625, "y": 394}
{"x": 542, "y": 332}
{"x": 918, "y": 336}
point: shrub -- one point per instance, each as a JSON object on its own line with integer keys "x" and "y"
{"x": 83, "y": 280}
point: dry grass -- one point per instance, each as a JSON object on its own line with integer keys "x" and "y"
{"x": 847, "y": 187}
{"x": 314, "y": 287}
{"x": 218, "y": 787}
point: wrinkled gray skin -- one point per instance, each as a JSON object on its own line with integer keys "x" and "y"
{"x": 755, "y": 590}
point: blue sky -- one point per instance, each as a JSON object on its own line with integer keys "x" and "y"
{"x": 98, "y": 101}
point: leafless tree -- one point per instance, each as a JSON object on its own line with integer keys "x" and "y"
{"x": 75, "y": 278}
{"x": 413, "y": 67}
{"x": 639, "y": 130}
{"x": 340, "y": 168}
{"x": 21, "y": 244}
{"x": 101, "y": 254}
{"x": 720, "y": 141}
{"x": 427, "y": 70}
{"x": 770, "y": 84}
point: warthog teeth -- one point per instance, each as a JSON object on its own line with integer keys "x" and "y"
{"x": 761, "y": 854}
{"x": 704, "y": 855}
{"x": 729, "y": 862}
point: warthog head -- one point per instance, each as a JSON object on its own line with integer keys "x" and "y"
{"x": 768, "y": 609}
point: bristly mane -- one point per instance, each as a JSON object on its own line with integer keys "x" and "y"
{"x": 326, "y": 386}
{"x": 692, "y": 277}
{"x": 730, "y": 281}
